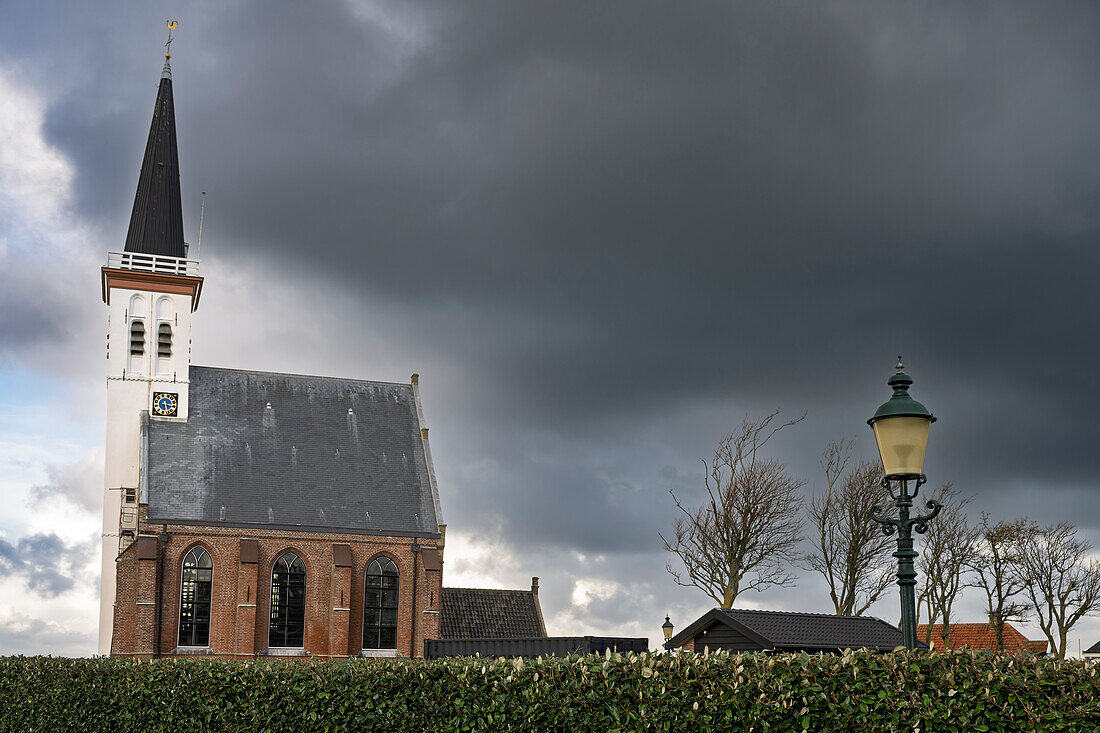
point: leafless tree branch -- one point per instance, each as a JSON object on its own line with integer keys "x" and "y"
{"x": 944, "y": 562}
{"x": 1062, "y": 580}
{"x": 744, "y": 535}
{"x": 996, "y": 565}
{"x": 849, "y": 548}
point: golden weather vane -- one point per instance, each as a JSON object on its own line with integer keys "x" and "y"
{"x": 172, "y": 25}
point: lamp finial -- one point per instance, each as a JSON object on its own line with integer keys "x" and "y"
{"x": 900, "y": 367}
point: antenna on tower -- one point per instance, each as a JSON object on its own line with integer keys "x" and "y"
{"x": 202, "y": 211}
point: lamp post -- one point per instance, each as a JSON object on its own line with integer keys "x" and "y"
{"x": 901, "y": 427}
{"x": 667, "y": 627}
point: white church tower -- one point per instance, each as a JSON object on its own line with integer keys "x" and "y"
{"x": 151, "y": 289}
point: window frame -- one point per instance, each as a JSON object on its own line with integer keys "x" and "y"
{"x": 274, "y": 602}
{"x": 377, "y": 628}
{"x": 194, "y": 602}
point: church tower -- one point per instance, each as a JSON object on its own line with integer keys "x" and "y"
{"x": 151, "y": 289}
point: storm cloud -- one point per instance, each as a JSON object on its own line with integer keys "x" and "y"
{"x": 604, "y": 233}
{"x": 47, "y": 563}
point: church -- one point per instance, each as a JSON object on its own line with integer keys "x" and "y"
{"x": 255, "y": 514}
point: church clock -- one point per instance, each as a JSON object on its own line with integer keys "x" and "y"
{"x": 165, "y": 404}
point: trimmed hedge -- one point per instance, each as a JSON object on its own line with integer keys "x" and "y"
{"x": 953, "y": 691}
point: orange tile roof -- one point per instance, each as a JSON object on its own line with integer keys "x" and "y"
{"x": 981, "y": 636}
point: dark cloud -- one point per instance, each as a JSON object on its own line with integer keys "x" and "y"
{"x": 49, "y": 565}
{"x": 606, "y": 232}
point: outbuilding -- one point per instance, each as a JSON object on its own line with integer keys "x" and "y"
{"x": 750, "y": 630}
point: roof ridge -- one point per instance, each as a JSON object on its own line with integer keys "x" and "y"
{"x": 498, "y": 590}
{"x": 296, "y": 374}
{"x": 799, "y": 613}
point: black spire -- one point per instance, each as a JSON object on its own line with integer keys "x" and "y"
{"x": 156, "y": 225}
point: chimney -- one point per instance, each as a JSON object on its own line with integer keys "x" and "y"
{"x": 535, "y": 585}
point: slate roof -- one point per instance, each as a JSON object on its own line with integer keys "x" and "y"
{"x": 982, "y": 636}
{"x": 781, "y": 630}
{"x": 1094, "y": 649}
{"x": 485, "y": 613}
{"x": 156, "y": 222}
{"x": 290, "y": 451}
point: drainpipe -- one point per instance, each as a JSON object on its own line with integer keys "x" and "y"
{"x": 412, "y": 626}
{"x": 159, "y": 612}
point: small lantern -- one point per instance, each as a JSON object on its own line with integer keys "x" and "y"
{"x": 667, "y": 628}
{"x": 901, "y": 427}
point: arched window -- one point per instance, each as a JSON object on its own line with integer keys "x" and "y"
{"x": 288, "y": 602}
{"x": 164, "y": 340}
{"x": 380, "y": 605}
{"x": 195, "y": 589}
{"x": 137, "y": 338}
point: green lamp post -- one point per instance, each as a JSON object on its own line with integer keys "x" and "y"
{"x": 667, "y": 627}
{"x": 901, "y": 428}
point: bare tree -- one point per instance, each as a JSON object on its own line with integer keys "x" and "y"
{"x": 996, "y": 563}
{"x": 945, "y": 560}
{"x": 1063, "y": 582}
{"x": 849, "y": 548}
{"x": 745, "y": 533}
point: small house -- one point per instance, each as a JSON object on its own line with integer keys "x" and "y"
{"x": 749, "y": 630}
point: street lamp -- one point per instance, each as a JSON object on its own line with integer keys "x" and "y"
{"x": 667, "y": 628}
{"x": 901, "y": 427}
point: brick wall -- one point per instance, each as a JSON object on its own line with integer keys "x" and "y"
{"x": 240, "y": 608}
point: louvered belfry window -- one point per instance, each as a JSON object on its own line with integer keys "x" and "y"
{"x": 288, "y": 602}
{"x": 380, "y": 605}
{"x": 164, "y": 340}
{"x": 137, "y": 338}
{"x": 195, "y": 593}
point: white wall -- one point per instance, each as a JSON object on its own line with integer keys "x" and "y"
{"x": 131, "y": 382}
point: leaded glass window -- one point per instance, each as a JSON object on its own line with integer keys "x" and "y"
{"x": 288, "y": 602}
{"x": 195, "y": 592}
{"x": 380, "y": 605}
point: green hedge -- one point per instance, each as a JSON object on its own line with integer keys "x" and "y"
{"x": 954, "y": 691}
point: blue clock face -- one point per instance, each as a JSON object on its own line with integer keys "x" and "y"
{"x": 165, "y": 404}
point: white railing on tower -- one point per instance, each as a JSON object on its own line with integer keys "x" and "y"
{"x": 152, "y": 263}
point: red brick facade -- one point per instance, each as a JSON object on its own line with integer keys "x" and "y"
{"x": 241, "y": 591}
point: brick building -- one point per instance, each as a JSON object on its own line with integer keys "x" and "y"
{"x": 250, "y": 514}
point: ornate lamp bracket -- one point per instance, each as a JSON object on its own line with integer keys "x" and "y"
{"x": 920, "y": 522}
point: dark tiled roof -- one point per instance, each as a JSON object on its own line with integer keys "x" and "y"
{"x": 156, "y": 223}
{"x": 785, "y": 629}
{"x": 304, "y": 462}
{"x": 982, "y": 636}
{"x": 484, "y": 613}
{"x": 1094, "y": 649}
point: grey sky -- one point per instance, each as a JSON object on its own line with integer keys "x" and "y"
{"x": 604, "y": 233}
